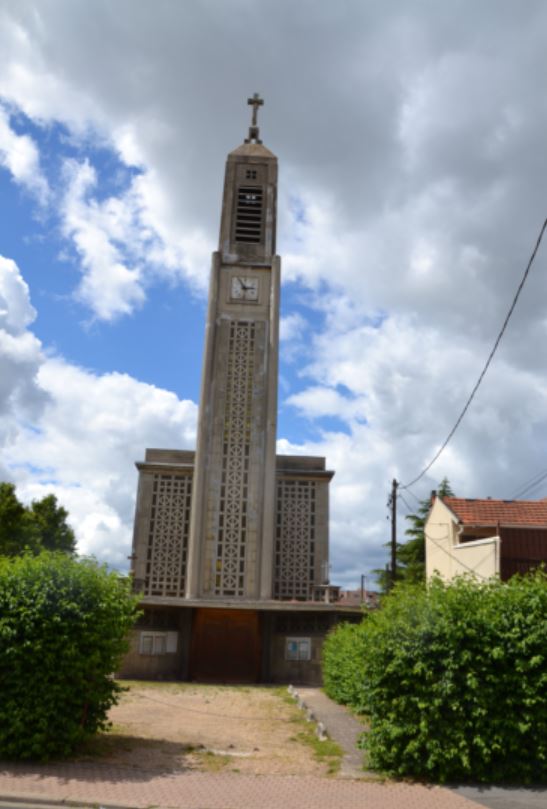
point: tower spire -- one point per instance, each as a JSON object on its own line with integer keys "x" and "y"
{"x": 254, "y": 132}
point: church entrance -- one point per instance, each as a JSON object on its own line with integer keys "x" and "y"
{"x": 225, "y": 646}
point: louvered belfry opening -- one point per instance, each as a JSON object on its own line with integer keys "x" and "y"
{"x": 249, "y": 215}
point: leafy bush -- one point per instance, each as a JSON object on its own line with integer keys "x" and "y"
{"x": 63, "y": 629}
{"x": 454, "y": 681}
{"x": 343, "y": 654}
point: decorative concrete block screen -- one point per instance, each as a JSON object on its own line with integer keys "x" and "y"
{"x": 168, "y": 535}
{"x": 295, "y": 539}
{"x": 232, "y": 528}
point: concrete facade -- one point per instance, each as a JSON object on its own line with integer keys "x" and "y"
{"x": 160, "y": 552}
{"x": 229, "y": 538}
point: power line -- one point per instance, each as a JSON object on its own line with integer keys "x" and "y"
{"x": 530, "y": 484}
{"x": 416, "y": 498}
{"x": 405, "y": 501}
{"x": 488, "y": 361}
{"x": 531, "y": 487}
{"x": 459, "y": 561}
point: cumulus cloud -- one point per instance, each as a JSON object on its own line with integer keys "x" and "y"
{"x": 109, "y": 286}
{"x": 16, "y": 310}
{"x": 400, "y": 390}
{"x": 93, "y": 429}
{"x": 412, "y": 177}
{"x": 21, "y": 397}
{"x": 19, "y": 155}
{"x": 121, "y": 243}
{"x": 67, "y": 430}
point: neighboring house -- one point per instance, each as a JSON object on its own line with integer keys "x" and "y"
{"x": 484, "y": 537}
{"x": 359, "y": 597}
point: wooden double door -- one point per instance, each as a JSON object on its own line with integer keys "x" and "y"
{"x": 225, "y": 646}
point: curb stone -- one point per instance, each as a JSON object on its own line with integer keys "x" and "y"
{"x": 335, "y": 722}
{"x": 28, "y": 801}
{"x": 320, "y": 731}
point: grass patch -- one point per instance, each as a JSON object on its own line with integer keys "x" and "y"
{"x": 160, "y": 685}
{"x": 178, "y": 687}
{"x": 212, "y": 762}
{"x": 284, "y": 695}
{"x": 326, "y": 752}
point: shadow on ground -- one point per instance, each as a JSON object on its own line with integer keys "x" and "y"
{"x": 118, "y": 756}
{"x": 134, "y": 752}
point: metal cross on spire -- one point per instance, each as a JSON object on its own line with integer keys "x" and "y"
{"x": 255, "y": 102}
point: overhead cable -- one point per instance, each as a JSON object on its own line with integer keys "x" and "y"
{"x": 459, "y": 561}
{"x": 488, "y": 361}
{"x": 416, "y": 498}
{"x": 405, "y": 501}
{"x": 530, "y": 485}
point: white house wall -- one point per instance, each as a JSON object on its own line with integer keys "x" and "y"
{"x": 447, "y": 557}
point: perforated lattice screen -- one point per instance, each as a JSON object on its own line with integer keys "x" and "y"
{"x": 295, "y": 539}
{"x": 168, "y": 535}
{"x": 232, "y": 527}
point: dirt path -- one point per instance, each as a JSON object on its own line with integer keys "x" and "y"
{"x": 173, "y": 727}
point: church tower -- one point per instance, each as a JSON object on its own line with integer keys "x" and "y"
{"x": 231, "y": 542}
{"x": 232, "y": 520}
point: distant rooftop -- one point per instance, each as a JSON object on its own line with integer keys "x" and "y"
{"x": 487, "y": 512}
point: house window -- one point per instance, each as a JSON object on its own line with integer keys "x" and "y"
{"x": 298, "y": 649}
{"x": 250, "y": 174}
{"x": 158, "y": 643}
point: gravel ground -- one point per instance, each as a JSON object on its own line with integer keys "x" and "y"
{"x": 173, "y": 727}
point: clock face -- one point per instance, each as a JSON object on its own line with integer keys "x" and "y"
{"x": 244, "y": 288}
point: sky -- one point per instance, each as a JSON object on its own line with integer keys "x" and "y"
{"x": 411, "y": 139}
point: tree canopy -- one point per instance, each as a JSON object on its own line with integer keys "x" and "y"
{"x": 41, "y": 526}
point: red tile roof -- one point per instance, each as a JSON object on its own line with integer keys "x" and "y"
{"x": 504, "y": 512}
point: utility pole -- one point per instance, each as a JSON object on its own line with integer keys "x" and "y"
{"x": 393, "y": 499}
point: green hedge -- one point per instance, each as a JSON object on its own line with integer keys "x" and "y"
{"x": 453, "y": 680}
{"x": 343, "y": 653}
{"x": 63, "y": 629}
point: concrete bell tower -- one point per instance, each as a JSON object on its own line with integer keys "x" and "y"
{"x": 230, "y": 549}
{"x": 230, "y": 545}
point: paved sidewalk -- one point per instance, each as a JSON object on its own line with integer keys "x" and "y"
{"x": 117, "y": 786}
{"x": 495, "y": 797}
{"x": 340, "y": 725}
